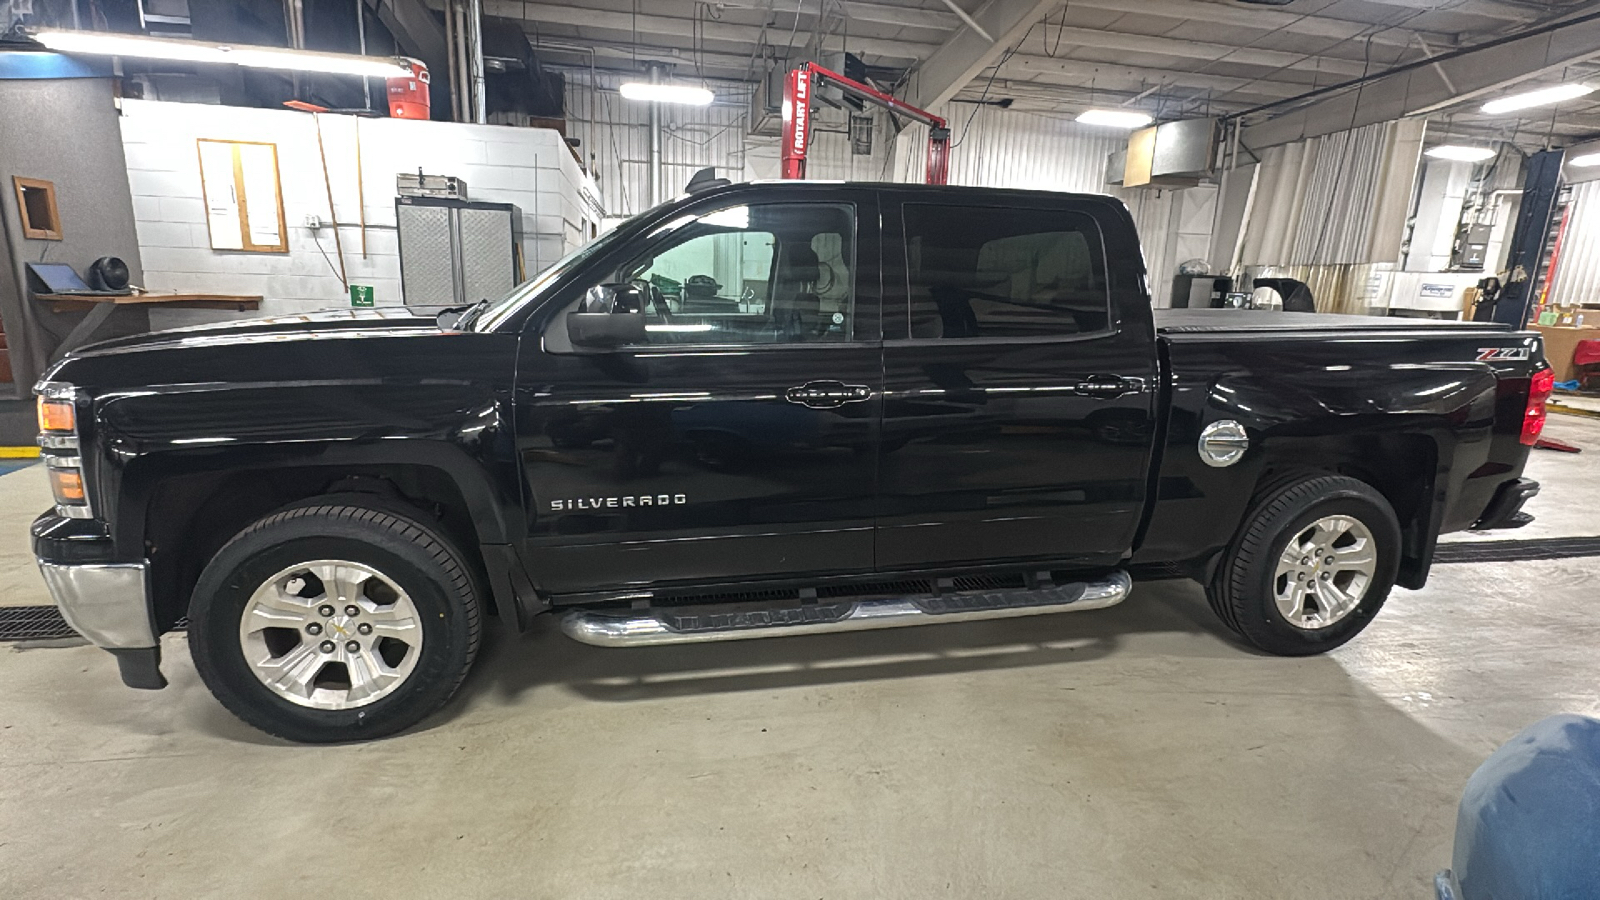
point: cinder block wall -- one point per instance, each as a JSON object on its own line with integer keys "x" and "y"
{"x": 530, "y": 167}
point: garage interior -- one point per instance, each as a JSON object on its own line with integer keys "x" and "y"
{"x": 1413, "y": 159}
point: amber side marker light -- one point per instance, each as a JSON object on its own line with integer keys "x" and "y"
{"x": 67, "y": 485}
{"x": 56, "y": 415}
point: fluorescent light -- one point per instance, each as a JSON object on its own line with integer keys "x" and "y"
{"x": 666, "y": 93}
{"x": 1541, "y": 97}
{"x": 1115, "y": 118}
{"x": 127, "y": 45}
{"x": 1585, "y": 161}
{"x": 326, "y": 63}
{"x": 139, "y": 47}
{"x": 1459, "y": 153}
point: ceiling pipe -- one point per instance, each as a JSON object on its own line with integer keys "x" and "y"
{"x": 968, "y": 20}
{"x": 655, "y": 140}
{"x": 480, "y": 100}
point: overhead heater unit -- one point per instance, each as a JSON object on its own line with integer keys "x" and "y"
{"x": 1170, "y": 155}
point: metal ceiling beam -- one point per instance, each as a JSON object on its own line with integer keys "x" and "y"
{"x": 960, "y": 59}
{"x": 858, "y": 11}
{"x": 1425, "y": 88}
{"x": 1490, "y": 9}
{"x": 956, "y": 49}
{"x": 1201, "y": 50}
{"x": 1045, "y": 72}
{"x": 656, "y": 26}
{"x": 1086, "y": 73}
{"x": 1264, "y": 19}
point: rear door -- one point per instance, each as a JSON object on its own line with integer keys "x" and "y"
{"x": 739, "y": 440}
{"x": 1018, "y": 399}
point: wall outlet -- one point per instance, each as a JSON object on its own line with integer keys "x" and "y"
{"x": 313, "y": 222}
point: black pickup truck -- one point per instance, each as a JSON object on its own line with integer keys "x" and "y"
{"x": 762, "y": 409}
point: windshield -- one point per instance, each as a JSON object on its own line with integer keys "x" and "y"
{"x": 490, "y": 316}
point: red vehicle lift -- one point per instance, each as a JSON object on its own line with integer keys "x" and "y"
{"x": 797, "y": 90}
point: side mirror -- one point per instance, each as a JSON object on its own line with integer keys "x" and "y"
{"x": 610, "y": 315}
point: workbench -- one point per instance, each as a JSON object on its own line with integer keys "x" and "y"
{"x": 101, "y": 306}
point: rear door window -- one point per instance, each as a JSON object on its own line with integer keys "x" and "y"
{"x": 986, "y": 272}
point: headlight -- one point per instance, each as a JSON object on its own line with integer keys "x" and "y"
{"x": 58, "y": 432}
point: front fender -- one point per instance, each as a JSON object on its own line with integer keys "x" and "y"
{"x": 147, "y": 439}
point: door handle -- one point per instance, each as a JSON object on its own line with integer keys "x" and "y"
{"x": 1109, "y": 386}
{"x": 827, "y": 394}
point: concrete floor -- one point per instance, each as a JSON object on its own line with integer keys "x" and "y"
{"x": 1137, "y": 752}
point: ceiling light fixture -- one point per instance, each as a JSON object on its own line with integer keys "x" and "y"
{"x": 1585, "y": 161}
{"x": 135, "y": 46}
{"x": 1541, "y": 97}
{"x": 1115, "y": 118}
{"x": 1458, "y": 153}
{"x": 666, "y": 93}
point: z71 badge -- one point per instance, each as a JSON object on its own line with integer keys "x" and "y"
{"x": 1491, "y": 354}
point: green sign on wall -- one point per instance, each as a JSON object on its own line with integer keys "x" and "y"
{"x": 361, "y": 295}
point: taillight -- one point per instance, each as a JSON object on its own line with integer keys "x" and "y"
{"x": 1540, "y": 387}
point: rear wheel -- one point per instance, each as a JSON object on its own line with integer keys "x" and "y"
{"x": 1313, "y": 564}
{"x": 334, "y": 623}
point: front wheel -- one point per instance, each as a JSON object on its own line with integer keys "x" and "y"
{"x": 334, "y": 623}
{"x": 1311, "y": 566}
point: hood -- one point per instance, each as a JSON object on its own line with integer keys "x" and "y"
{"x": 307, "y": 326}
{"x": 338, "y": 346}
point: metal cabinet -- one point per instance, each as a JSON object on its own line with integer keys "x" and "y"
{"x": 455, "y": 252}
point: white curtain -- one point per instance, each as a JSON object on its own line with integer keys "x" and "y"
{"x": 1340, "y": 199}
{"x": 1577, "y": 273}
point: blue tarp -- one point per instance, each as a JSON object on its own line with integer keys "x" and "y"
{"x": 17, "y": 65}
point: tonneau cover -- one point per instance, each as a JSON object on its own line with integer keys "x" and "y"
{"x": 1199, "y": 321}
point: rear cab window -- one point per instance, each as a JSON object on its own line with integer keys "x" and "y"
{"x": 993, "y": 272}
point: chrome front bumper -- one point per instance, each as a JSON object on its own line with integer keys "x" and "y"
{"x": 107, "y": 603}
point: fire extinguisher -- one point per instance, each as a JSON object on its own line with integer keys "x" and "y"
{"x": 408, "y": 94}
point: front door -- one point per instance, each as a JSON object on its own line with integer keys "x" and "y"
{"x": 1018, "y": 403}
{"x": 738, "y": 440}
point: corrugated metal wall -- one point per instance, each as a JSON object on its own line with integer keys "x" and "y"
{"x": 992, "y": 147}
{"x": 617, "y": 142}
{"x": 1577, "y": 278}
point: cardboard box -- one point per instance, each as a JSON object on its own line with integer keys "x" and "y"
{"x": 1559, "y": 344}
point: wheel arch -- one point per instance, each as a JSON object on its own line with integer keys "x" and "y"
{"x": 1403, "y": 466}
{"x": 185, "y": 513}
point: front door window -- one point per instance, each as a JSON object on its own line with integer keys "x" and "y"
{"x": 762, "y": 273}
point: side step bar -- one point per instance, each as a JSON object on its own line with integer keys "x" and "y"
{"x": 686, "y": 625}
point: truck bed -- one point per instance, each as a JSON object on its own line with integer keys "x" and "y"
{"x": 1212, "y": 321}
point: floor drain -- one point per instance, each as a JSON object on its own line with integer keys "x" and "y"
{"x": 1516, "y": 551}
{"x": 30, "y": 623}
{"x": 43, "y": 623}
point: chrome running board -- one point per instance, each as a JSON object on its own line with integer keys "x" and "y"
{"x": 685, "y": 625}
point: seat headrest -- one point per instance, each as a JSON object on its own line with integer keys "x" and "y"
{"x": 800, "y": 263}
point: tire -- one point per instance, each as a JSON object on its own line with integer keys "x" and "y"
{"x": 402, "y": 654}
{"x": 1335, "y": 601}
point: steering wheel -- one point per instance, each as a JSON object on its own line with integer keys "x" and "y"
{"x": 655, "y": 298}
